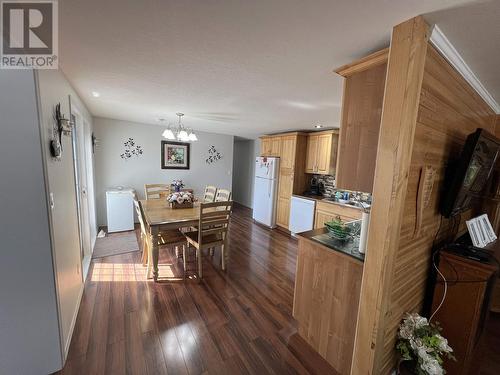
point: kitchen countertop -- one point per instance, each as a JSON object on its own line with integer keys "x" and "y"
{"x": 320, "y": 236}
{"x": 322, "y": 198}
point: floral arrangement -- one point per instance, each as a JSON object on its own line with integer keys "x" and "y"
{"x": 181, "y": 197}
{"x": 178, "y": 185}
{"x": 421, "y": 342}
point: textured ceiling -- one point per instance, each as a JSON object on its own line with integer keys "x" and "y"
{"x": 237, "y": 67}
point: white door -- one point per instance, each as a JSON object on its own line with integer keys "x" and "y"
{"x": 80, "y": 134}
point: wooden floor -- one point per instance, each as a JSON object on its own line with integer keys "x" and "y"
{"x": 234, "y": 322}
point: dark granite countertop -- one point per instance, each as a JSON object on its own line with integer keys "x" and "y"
{"x": 321, "y": 236}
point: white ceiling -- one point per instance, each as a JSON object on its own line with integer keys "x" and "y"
{"x": 243, "y": 67}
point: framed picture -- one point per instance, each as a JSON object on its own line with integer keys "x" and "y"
{"x": 174, "y": 155}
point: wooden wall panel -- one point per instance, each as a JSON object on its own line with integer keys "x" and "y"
{"x": 399, "y": 114}
{"x": 449, "y": 110}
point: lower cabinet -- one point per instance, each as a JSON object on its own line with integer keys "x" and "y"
{"x": 326, "y": 301}
{"x": 329, "y": 211}
{"x": 283, "y": 212}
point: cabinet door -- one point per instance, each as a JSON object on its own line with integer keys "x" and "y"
{"x": 312, "y": 153}
{"x": 283, "y": 212}
{"x": 323, "y": 165}
{"x": 287, "y": 155}
{"x": 359, "y": 130}
{"x": 285, "y": 187}
{"x": 276, "y": 146}
{"x": 266, "y": 147}
{"x": 321, "y": 217}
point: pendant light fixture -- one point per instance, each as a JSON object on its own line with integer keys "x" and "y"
{"x": 181, "y": 133}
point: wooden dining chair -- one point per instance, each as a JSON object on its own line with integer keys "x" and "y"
{"x": 222, "y": 195}
{"x": 212, "y": 232}
{"x": 156, "y": 191}
{"x": 209, "y": 195}
{"x": 172, "y": 238}
{"x": 143, "y": 241}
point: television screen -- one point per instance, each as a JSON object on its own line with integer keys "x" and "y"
{"x": 472, "y": 171}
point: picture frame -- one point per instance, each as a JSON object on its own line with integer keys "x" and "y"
{"x": 175, "y": 155}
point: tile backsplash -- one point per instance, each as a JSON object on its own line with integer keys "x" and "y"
{"x": 329, "y": 188}
{"x": 328, "y": 183}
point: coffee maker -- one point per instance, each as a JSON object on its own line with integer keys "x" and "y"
{"x": 315, "y": 186}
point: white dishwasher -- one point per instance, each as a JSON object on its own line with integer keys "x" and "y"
{"x": 301, "y": 214}
{"x": 120, "y": 209}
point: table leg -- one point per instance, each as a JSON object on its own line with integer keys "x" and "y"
{"x": 155, "y": 249}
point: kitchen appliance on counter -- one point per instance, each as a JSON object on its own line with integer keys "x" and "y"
{"x": 316, "y": 187}
{"x": 301, "y": 214}
{"x": 265, "y": 190}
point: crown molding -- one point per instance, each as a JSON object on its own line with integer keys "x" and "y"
{"x": 443, "y": 45}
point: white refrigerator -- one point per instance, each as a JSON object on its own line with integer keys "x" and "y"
{"x": 265, "y": 190}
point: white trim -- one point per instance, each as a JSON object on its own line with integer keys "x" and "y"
{"x": 443, "y": 45}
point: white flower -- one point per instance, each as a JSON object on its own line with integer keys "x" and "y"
{"x": 443, "y": 344}
{"x": 431, "y": 366}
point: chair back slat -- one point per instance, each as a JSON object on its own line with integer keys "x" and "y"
{"x": 140, "y": 216}
{"x": 223, "y": 195}
{"x": 156, "y": 191}
{"x": 209, "y": 195}
{"x": 214, "y": 218}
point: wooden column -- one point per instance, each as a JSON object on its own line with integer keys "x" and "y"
{"x": 401, "y": 99}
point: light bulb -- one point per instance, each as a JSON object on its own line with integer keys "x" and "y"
{"x": 168, "y": 134}
{"x": 193, "y": 137}
{"x": 183, "y": 135}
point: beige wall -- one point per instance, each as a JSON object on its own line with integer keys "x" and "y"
{"x": 53, "y": 89}
{"x": 29, "y": 331}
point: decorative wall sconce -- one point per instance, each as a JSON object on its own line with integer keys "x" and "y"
{"x": 62, "y": 126}
{"x": 95, "y": 143}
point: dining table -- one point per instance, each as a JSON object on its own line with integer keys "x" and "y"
{"x": 160, "y": 216}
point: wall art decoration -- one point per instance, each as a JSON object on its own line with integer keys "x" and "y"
{"x": 62, "y": 126}
{"x": 213, "y": 155}
{"x": 174, "y": 155}
{"x": 131, "y": 149}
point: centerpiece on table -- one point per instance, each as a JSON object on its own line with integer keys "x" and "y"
{"x": 177, "y": 185}
{"x": 181, "y": 199}
{"x": 421, "y": 346}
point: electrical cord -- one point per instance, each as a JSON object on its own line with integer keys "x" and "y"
{"x": 445, "y": 285}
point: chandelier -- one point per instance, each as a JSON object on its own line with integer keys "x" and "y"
{"x": 180, "y": 133}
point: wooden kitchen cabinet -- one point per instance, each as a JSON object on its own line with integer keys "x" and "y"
{"x": 270, "y": 146}
{"x": 266, "y": 146}
{"x": 326, "y": 211}
{"x": 326, "y": 301}
{"x": 360, "y": 122}
{"x": 321, "y": 155}
{"x": 290, "y": 148}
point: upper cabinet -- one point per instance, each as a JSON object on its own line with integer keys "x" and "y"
{"x": 321, "y": 157}
{"x": 360, "y": 123}
{"x": 271, "y": 146}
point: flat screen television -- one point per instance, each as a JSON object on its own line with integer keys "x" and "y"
{"x": 470, "y": 173}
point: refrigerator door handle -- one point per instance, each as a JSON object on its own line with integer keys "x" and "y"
{"x": 269, "y": 186}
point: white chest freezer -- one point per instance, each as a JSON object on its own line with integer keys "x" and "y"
{"x": 120, "y": 209}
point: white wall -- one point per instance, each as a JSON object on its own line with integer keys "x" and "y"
{"x": 245, "y": 152}
{"x": 29, "y": 331}
{"x": 54, "y": 88}
{"x": 112, "y": 170}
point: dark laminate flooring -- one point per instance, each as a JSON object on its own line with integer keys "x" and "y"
{"x": 234, "y": 322}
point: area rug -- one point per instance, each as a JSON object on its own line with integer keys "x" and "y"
{"x": 115, "y": 243}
